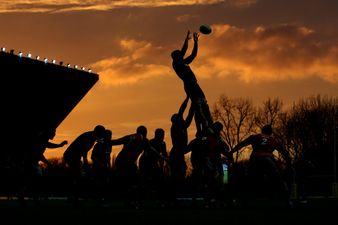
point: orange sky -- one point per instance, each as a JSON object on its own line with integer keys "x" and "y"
{"x": 258, "y": 49}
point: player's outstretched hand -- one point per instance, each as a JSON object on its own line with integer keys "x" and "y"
{"x": 188, "y": 35}
{"x": 196, "y": 36}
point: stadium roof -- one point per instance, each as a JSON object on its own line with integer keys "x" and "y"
{"x": 37, "y": 94}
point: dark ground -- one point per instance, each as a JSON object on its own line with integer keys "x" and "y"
{"x": 256, "y": 211}
{"x": 320, "y": 210}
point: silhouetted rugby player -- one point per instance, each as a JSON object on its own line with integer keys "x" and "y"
{"x": 262, "y": 163}
{"x": 181, "y": 66}
{"x": 76, "y": 159}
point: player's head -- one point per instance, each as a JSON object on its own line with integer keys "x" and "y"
{"x": 141, "y": 130}
{"x": 51, "y": 134}
{"x": 176, "y": 54}
{"x": 47, "y": 134}
{"x": 99, "y": 131}
{"x": 159, "y": 134}
{"x": 176, "y": 118}
{"x": 267, "y": 129}
{"x": 217, "y": 127}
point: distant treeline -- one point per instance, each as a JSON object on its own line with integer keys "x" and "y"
{"x": 308, "y": 128}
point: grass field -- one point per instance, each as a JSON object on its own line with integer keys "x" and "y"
{"x": 257, "y": 211}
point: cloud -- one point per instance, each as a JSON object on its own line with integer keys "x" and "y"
{"x": 137, "y": 63}
{"x": 186, "y": 17}
{"x": 242, "y": 3}
{"x": 285, "y": 51}
{"x": 281, "y": 52}
{"x": 54, "y": 6}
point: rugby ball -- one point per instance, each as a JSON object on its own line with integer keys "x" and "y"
{"x": 205, "y": 29}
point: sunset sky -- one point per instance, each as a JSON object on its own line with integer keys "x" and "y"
{"x": 257, "y": 49}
